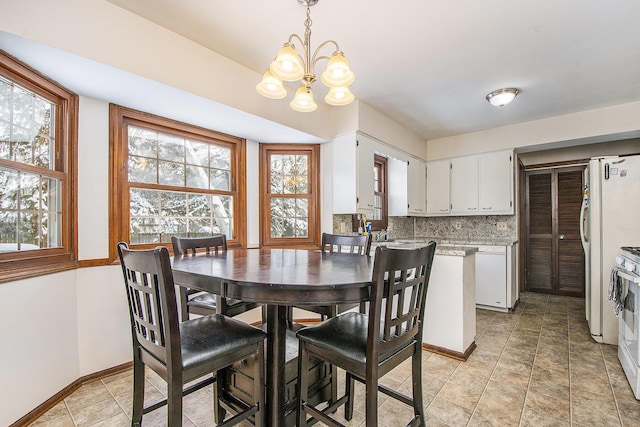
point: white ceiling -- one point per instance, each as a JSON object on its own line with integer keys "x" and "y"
{"x": 429, "y": 64}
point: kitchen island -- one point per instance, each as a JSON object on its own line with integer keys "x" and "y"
{"x": 450, "y": 312}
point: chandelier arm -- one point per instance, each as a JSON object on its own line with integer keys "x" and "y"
{"x": 316, "y": 58}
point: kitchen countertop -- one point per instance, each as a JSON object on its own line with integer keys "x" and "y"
{"x": 441, "y": 248}
{"x": 457, "y": 242}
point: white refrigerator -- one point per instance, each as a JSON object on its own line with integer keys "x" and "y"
{"x": 610, "y": 220}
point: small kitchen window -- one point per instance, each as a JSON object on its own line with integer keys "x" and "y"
{"x": 380, "y": 217}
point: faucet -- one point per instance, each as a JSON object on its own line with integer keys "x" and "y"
{"x": 382, "y": 234}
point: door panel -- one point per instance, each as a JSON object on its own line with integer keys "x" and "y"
{"x": 570, "y": 254}
{"x": 554, "y": 256}
{"x": 539, "y": 275}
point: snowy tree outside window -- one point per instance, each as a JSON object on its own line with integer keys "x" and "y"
{"x": 30, "y": 187}
{"x": 184, "y": 182}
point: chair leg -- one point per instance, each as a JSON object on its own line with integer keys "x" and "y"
{"x": 350, "y": 388}
{"x": 303, "y": 384}
{"x": 371, "y": 402}
{"x": 174, "y": 401}
{"x": 138, "y": 391}
{"x": 258, "y": 387}
{"x": 416, "y": 375}
{"x": 218, "y": 411}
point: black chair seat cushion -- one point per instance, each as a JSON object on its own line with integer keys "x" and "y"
{"x": 203, "y": 300}
{"x": 345, "y": 335}
{"x": 199, "y": 345}
{"x": 208, "y": 301}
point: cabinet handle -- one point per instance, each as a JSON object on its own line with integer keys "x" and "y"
{"x": 472, "y": 209}
{"x": 444, "y": 210}
{"x": 487, "y": 209}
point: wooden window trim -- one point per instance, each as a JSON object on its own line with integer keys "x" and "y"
{"x": 313, "y": 240}
{"x": 119, "y": 118}
{"x": 25, "y": 264}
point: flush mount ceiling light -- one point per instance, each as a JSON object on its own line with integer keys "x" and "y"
{"x": 290, "y": 65}
{"x": 502, "y": 97}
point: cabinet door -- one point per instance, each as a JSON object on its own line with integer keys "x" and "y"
{"x": 417, "y": 187}
{"x": 496, "y": 183}
{"x": 464, "y": 185}
{"x": 438, "y": 187}
{"x": 491, "y": 278}
{"x": 397, "y": 187}
{"x": 365, "y": 179}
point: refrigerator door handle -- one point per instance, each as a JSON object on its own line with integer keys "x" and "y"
{"x": 583, "y": 237}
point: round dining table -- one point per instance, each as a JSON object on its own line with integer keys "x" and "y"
{"x": 278, "y": 278}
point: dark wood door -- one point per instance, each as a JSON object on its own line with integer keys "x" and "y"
{"x": 554, "y": 256}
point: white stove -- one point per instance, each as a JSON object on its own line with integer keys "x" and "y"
{"x": 628, "y": 273}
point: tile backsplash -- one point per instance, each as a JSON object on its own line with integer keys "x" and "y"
{"x": 450, "y": 228}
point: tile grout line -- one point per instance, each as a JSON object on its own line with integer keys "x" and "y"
{"x": 569, "y": 364}
{"x": 535, "y": 355}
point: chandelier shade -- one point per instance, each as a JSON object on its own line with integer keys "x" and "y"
{"x": 287, "y": 65}
{"x": 292, "y": 65}
{"x": 271, "y": 86}
{"x": 339, "y": 96}
{"x": 303, "y": 101}
{"x": 338, "y": 72}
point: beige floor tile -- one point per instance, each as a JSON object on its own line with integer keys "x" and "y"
{"x": 465, "y": 395}
{"x": 551, "y": 406}
{"x": 449, "y": 413}
{"x": 501, "y": 411}
{"x": 510, "y": 390}
{"x": 537, "y": 366}
{"x": 63, "y": 420}
{"x": 100, "y": 411}
{"x": 86, "y": 395}
{"x": 120, "y": 420}
{"x": 536, "y": 419}
{"x": 481, "y": 420}
{"x": 58, "y": 411}
{"x": 549, "y": 374}
{"x": 594, "y": 408}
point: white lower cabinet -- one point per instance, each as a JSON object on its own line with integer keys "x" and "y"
{"x": 496, "y": 282}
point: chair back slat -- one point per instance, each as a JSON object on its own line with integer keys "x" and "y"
{"x": 398, "y": 296}
{"x": 190, "y": 245}
{"x": 152, "y": 300}
{"x": 360, "y": 245}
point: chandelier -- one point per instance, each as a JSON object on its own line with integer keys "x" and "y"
{"x": 290, "y": 65}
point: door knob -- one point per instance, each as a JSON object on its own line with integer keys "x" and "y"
{"x": 562, "y": 237}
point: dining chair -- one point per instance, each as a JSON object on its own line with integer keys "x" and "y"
{"x": 335, "y": 243}
{"x": 368, "y": 346}
{"x": 197, "y": 302}
{"x": 182, "y": 352}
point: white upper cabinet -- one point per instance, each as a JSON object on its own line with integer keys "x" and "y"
{"x": 417, "y": 187}
{"x": 464, "y": 185}
{"x": 438, "y": 174}
{"x": 365, "y": 179}
{"x": 496, "y": 177}
{"x": 352, "y": 174}
{"x": 397, "y": 187}
{"x": 471, "y": 185}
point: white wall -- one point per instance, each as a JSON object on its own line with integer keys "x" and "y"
{"x": 39, "y": 336}
{"x": 105, "y": 33}
{"x": 253, "y": 195}
{"x": 93, "y": 179}
{"x": 603, "y": 124}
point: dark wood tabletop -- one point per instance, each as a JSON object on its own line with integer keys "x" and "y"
{"x": 278, "y": 278}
